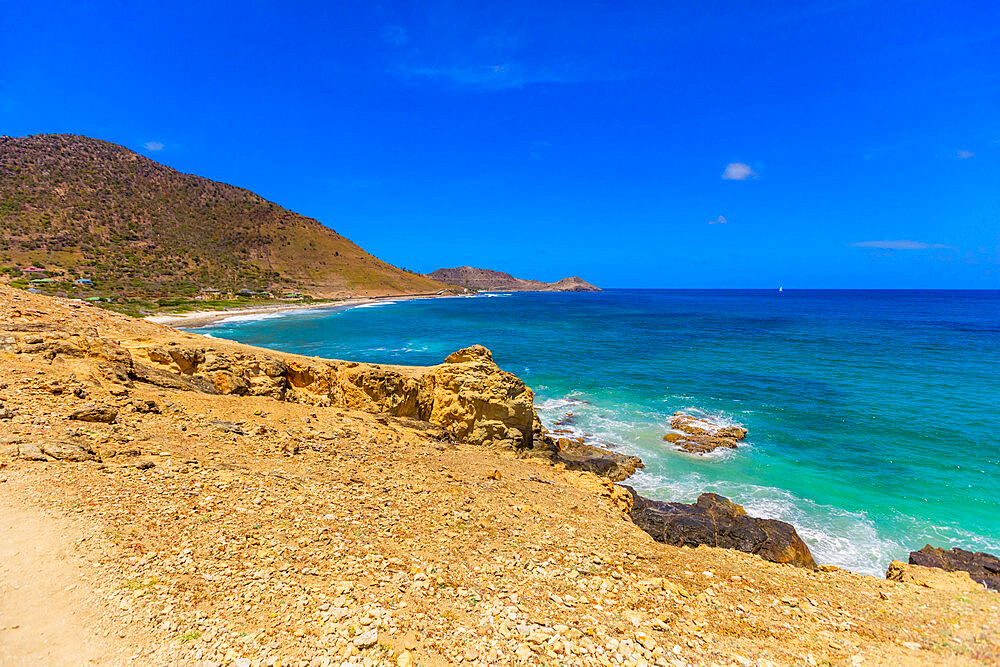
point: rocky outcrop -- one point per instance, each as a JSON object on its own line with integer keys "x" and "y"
{"x": 468, "y": 395}
{"x": 701, "y": 436}
{"x": 983, "y": 568}
{"x": 59, "y": 449}
{"x": 716, "y": 522}
{"x": 497, "y": 281}
{"x": 931, "y": 577}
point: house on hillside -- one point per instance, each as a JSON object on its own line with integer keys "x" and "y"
{"x": 86, "y": 282}
{"x": 32, "y": 269}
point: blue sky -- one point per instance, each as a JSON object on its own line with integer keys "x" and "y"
{"x": 710, "y": 144}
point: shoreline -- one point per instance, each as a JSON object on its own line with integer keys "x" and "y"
{"x": 203, "y": 318}
{"x": 211, "y": 473}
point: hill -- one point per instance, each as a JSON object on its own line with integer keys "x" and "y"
{"x": 88, "y": 209}
{"x": 487, "y": 280}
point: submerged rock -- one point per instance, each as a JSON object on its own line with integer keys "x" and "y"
{"x": 701, "y": 436}
{"x": 930, "y": 577}
{"x": 715, "y": 521}
{"x": 983, "y": 568}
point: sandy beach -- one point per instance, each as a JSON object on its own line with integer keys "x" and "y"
{"x": 206, "y": 317}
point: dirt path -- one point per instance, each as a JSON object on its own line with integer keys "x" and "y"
{"x": 48, "y": 609}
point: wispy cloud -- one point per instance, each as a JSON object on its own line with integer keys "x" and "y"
{"x": 964, "y": 155}
{"x": 456, "y": 55}
{"x": 488, "y": 77}
{"x": 153, "y": 146}
{"x": 901, "y": 244}
{"x": 721, "y": 220}
{"x": 738, "y": 171}
{"x": 395, "y": 35}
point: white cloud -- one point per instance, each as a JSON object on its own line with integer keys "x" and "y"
{"x": 964, "y": 155}
{"x": 901, "y": 244}
{"x": 738, "y": 171}
{"x": 395, "y": 35}
{"x": 721, "y": 220}
{"x": 505, "y": 75}
{"x": 153, "y": 146}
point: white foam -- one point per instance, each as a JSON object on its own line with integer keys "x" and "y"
{"x": 253, "y": 317}
{"x": 835, "y": 536}
{"x": 375, "y": 304}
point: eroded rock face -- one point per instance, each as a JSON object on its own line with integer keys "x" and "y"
{"x": 716, "y": 522}
{"x": 701, "y": 436}
{"x": 478, "y": 402}
{"x": 468, "y": 395}
{"x": 931, "y": 577}
{"x": 983, "y": 568}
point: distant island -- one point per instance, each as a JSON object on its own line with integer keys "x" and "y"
{"x": 492, "y": 281}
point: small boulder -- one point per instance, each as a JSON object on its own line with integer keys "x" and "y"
{"x": 982, "y": 567}
{"x": 29, "y": 451}
{"x": 145, "y": 406}
{"x": 6, "y": 413}
{"x": 104, "y": 414}
{"x": 226, "y": 426}
{"x": 68, "y": 450}
{"x": 931, "y": 577}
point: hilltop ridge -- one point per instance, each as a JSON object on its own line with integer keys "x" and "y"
{"x": 489, "y": 280}
{"x": 86, "y": 209}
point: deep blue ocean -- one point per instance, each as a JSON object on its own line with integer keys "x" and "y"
{"x": 872, "y": 414}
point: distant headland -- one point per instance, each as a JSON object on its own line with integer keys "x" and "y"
{"x": 491, "y": 281}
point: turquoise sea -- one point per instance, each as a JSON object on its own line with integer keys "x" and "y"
{"x": 872, "y": 414}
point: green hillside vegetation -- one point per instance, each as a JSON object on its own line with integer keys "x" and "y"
{"x": 81, "y": 208}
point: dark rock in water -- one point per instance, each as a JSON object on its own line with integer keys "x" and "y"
{"x": 716, "y": 522}
{"x": 983, "y": 568}
{"x": 565, "y": 420}
{"x": 602, "y": 462}
{"x": 95, "y": 413}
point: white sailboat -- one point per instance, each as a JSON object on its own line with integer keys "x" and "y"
{"x": 781, "y": 288}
